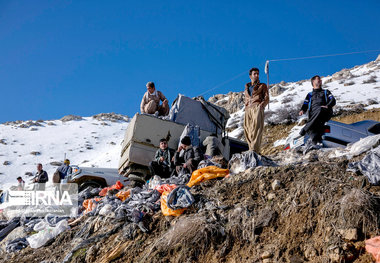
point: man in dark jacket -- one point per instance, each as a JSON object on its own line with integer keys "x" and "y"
{"x": 64, "y": 169}
{"x": 187, "y": 157}
{"x": 41, "y": 178}
{"x": 162, "y": 165}
{"x": 319, "y": 103}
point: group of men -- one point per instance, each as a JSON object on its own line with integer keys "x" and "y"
{"x": 41, "y": 177}
{"x": 318, "y": 104}
{"x": 185, "y": 159}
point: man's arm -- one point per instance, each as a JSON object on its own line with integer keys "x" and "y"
{"x": 157, "y": 156}
{"x": 331, "y": 100}
{"x": 266, "y": 95}
{"x": 305, "y": 105}
{"x": 246, "y": 94}
{"x": 177, "y": 160}
{"x": 162, "y": 96}
{"x": 142, "y": 104}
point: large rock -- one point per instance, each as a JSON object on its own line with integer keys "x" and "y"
{"x": 16, "y": 233}
{"x": 71, "y": 118}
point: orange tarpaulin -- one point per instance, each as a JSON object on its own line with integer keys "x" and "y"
{"x": 206, "y": 173}
{"x": 117, "y": 186}
{"x": 373, "y": 247}
{"x": 166, "y": 211}
{"x": 122, "y": 195}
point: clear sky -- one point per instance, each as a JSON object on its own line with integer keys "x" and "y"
{"x": 88, "y": 57}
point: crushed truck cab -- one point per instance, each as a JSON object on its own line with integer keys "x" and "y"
{"x": 144, "y": 132}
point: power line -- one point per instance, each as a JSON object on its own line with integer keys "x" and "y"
{"x": 288, "y": 59}
{"x": 324, "y": 56}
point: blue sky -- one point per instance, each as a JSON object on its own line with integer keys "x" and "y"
{"x": 88, "y": 57}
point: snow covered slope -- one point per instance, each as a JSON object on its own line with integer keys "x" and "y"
{"x": 351, "y": 87}
{"x": 91, "y": 141}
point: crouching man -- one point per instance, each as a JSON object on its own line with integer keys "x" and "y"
{"x": 187, "y": 157}
{"x": 150, "y": 102}
{"x": 162, "y": 165}
{"x": 319, "y": 104}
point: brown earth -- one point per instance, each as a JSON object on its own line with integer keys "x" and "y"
{"x": 240, "y": 219}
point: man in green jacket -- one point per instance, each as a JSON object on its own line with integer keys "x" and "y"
{"x": 162, "y": 165}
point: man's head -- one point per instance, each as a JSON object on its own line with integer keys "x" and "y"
{"x": 163, "y": 144}
{"x": 39, "y": 167}
{"x": 186, "y": 141}
{"x": 254, "y": 74}
{"x": 19, "y": 178}
{"x": 66, "y": 162}
{"x": 150, "y": 87}
{"x": 316, "y": 82}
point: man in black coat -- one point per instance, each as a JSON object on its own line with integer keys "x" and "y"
{"x": 319, "y": 104}
{"x": 41, "y": 178}
{"x": 187, "y": 157}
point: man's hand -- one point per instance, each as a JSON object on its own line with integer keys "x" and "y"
{"x": 161, "y": 159}
{"x": 324, "y": 107}
{"x": 184, "y": 165}
{"x": 179, "y": 148}
{"x": 300, "y": 113}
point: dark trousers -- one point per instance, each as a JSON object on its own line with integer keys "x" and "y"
{"x": 315, "y": 124}
{"x": 161, "y": 170}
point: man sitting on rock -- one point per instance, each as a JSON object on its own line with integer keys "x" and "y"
{"x": 319, "y": 103}
{"x": 162, "y": 165}
{"x": 150, "y": 102}
{"x": 187, "y": 157}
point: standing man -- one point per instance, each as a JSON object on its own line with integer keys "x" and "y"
{"x": 319, "y": 103}
{"x": 162, "y": 165}
{"x": 256, "y": 98}
{"x": 41, "y": 178}
{"x": 64, "y": 169}
{"x": 150, "y": 102}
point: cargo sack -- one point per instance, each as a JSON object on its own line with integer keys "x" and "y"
{"x": 205, "y": 174}
{"x": 166, "y": 211}
{"x": 180, "y": 198}
{"x": 56, "y": 177}
{"x": 194, "y": 132}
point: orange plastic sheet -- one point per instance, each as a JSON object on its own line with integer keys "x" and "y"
{"x": 166, "y": 211}
{"x": 122, "y": 195}
{"x": 373, "y": 247}
{"x": 117, "y": 186}
{"x": 206, "y": 173}
{"x": 165, "y": 188}
{"x": 90, "y": 204}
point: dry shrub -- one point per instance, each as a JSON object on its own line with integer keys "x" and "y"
{"x": 192, "y": 235}
{"x": 356, "y": 209}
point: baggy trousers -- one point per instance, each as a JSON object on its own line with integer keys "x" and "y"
{"x": 151, "y": 107}
{"x": 254, "y": 126}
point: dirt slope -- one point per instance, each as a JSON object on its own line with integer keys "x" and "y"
{"x": 316, "y": 212}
